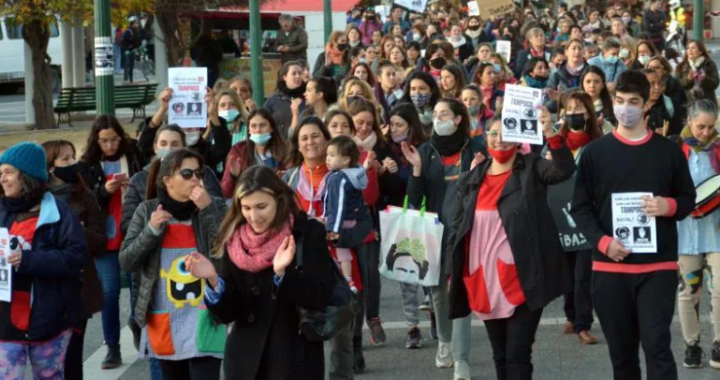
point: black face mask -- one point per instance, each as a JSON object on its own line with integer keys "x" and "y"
{"x": 68, "y": 174}
{"x": 474, "y": 27}
{"x": 438, "y": 63}
{"x": 576, "y": 121}
{"x": 342, "y": 47}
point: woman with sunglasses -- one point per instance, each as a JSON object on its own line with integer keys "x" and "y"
{"x": 179, "y": 218}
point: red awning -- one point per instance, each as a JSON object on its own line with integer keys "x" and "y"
{"x": 302, "y": 6}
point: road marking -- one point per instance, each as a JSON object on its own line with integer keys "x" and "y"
{"x": 91, "y": 366}
{"x": 397, "y": 325}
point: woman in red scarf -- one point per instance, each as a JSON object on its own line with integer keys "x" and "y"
{"x": 261, "y": 286}
{"x": 579, "y": 126}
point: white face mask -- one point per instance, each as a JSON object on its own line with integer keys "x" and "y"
{"x": 192, "y": 137}
{"x": 444, "y": 128}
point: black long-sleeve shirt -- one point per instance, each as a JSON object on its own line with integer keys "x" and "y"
{"x": 613, "y": 164}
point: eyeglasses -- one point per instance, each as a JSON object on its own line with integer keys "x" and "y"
{"x": 187, "y": 174}
{"x": 110, "y": 141}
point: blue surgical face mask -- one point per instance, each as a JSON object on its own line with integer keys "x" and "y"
{"x": 612, "y": 59}
{"x": 261, "y": 139}
{"x": 161, "y": 153}
{"x": 229, "y": 115}
{"x": 498, "y": 68}
{"x": 362, "y": 60}
{"x": 474, "y": 110}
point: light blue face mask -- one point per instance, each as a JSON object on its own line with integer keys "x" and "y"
{"x": 498, "y": 68}
{"x": 261, "y": 139}
{"x": 161, "y": 153}
{"x": 612, "y": 59}
{"x": 229, "y": 115}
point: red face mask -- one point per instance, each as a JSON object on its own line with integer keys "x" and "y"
{"x": 502, "y": 156}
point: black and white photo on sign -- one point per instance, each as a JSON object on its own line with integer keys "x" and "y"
{"x": 189, "y": 85}
{"x": 520, "y": 115}
{"x": 560, "y": 202}
{"x": 632, "y": 226}
{"x": 5, "y": 266}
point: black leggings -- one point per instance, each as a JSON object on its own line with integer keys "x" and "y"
{"x": 205, "y": 368}
{"x": 74, "y": 354}
{"x": 512, "y": 339}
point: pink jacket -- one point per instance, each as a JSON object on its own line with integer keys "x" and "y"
{"x": 367, "y": 29}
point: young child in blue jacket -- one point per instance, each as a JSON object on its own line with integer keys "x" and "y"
{"x": 346, "y": 216}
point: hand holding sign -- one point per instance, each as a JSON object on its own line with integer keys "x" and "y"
{"x": 657, "y": 206}
{"x": 617, "y": 251}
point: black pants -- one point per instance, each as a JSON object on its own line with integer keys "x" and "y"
{"x": 512, "y": 339}
{"x": 578, "y": 303}
{"x": 74, "y": 354}
{"x": 205, "y": 368}
{"x": 636, "y": 309}
{"x": 369, "y": 262}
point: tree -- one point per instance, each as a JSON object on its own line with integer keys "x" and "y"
{"x": 176, "y": 29}
{"x": 37, "y": 17}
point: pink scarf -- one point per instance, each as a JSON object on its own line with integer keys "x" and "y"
{"x": 255, "y": 252}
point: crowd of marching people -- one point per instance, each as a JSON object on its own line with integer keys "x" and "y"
{"x": 234, "y": 237}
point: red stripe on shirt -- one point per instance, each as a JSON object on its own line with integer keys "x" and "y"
{"x": 179, "y": 236}
{"x": 600, "y": 266}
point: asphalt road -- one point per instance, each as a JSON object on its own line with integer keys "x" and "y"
{"x": 556, "y": 356}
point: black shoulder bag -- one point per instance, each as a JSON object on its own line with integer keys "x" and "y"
{"x": 321, "y": 325}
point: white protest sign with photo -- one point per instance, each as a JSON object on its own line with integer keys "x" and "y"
{"x": 521, "y": 116}
{"x": 503, "y": 48}
{"x": 473, "y": 8}
{"x": 187, "y": 106}
{"x": 6, "y": 270}
{"x": 381, "y": 10}
{"x": 413, "y": 5}
{"x": 635, "y": 229}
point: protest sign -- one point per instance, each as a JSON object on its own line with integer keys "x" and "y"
{"x": 521, "y": 116}
{"x": 187, "y": 106}
{"x": 503, "y": 48}
{"x": 412, "y": 5}
{"x": 490, "y": 8}
{"x": 560, "y": 201}
{"x": 6, "y": 270}
{"x": 635, "y": 229}
{"x": 473, "y": 8}
{"x": 381, "y": 11}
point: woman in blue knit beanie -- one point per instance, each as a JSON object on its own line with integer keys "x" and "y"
{"x": 44, "y": 255}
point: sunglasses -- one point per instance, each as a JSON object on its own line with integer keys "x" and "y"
{"x": 187, "y": 174}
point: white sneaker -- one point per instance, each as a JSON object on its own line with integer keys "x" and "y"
{"x": 462, "y": 370}
{"x": 443, "y": 359}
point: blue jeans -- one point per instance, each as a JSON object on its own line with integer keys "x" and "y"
{"x": 108, "y": 269}
{"x": 155, "y": 370}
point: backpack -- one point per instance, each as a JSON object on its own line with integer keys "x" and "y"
{"x": 118, "y": 36}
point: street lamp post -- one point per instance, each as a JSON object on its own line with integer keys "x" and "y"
{"x": 104, "y": 60}
{"x": 256, "y": 69}
{"x": 327, "y": 13}
{"x": 698, "y": 20}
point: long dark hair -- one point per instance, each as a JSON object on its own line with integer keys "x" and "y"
{"x": 429, "y": 80}
{"x": 166, "y": 168}
{"x": 296, "y": 158}
{"x": 93, "y": 154}
{"x": 280, "y": 83}
{"x": 53, "y": 149}
{"x": 591, "y": 124}
{"x": 277, "y": 144}
{"x": 358, "y": 105}
{"x": 685, "y": 64}
{"x": 339, "y": 111}
{"x": 407, "y": 112}
{"x": 371, "y": 76}
{"x": 257, "y": 178}
{"x": 328, "y": 87}
{"x": 457, "y": 72}
{"x": 608, "y": 113}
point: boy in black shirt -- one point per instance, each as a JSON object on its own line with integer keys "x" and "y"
{"x": 635, "y": 260}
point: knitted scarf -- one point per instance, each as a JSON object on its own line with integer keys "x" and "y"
{"x": 255, "y": 252}
{"x": 335, "y": 54}
{"x": 710, "y": 147}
